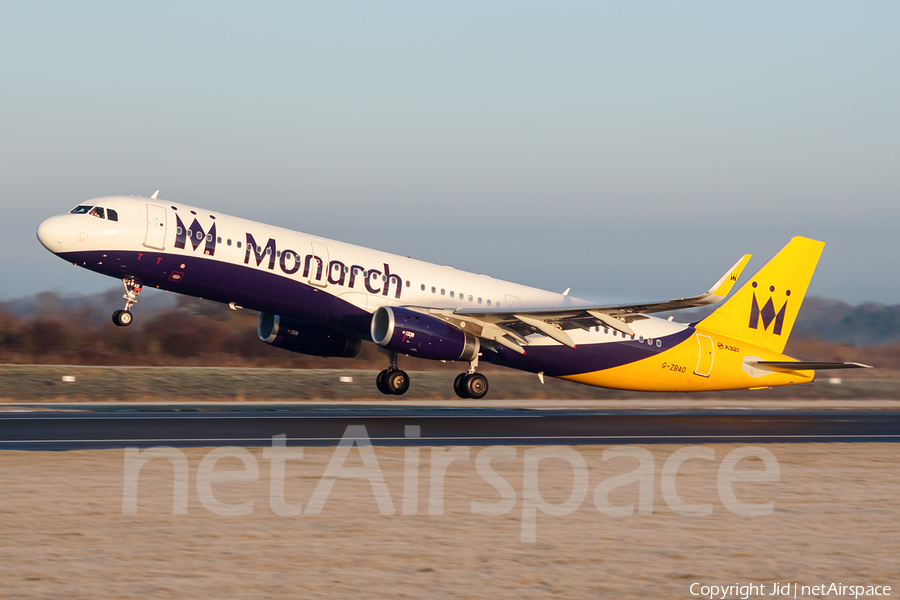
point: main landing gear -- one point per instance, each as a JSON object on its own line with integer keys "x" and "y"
{"x": 124, "y": 318}
{"x": 471, "y": 384}
{"x": 392, "y": 381}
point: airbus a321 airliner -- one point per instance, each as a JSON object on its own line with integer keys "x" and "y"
{"x": 323, "y": 297}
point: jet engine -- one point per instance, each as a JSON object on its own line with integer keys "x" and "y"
{"x": 305, "y": 338}
{"x": 408, "y": 332}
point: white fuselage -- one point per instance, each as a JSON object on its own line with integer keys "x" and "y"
{"x": 149, "y": 231}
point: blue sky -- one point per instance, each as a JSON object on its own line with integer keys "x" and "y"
{"x": 630, "y": 151}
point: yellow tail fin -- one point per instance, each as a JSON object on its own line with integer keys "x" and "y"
{"x": 763, "y": 311}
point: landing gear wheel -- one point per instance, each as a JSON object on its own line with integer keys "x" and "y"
{"x": 476, "y": 385}
{"x": 381, "y": 385}
{"x": 122, "y": 318}
{"x": 459, "y": 386}
{"x": 397, "y": 382}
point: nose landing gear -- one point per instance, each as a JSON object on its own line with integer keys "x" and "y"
{"x": 124, "y": 318}
{"x": 471, "y": 384}
{"x": 392, "y": 381}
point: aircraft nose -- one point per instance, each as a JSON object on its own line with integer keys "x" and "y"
{"x": 50, "y": 233}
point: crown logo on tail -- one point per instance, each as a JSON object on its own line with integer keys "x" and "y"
{"x": 767, "y": 313}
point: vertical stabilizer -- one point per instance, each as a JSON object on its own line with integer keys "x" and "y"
{"x": 763, "y": 311}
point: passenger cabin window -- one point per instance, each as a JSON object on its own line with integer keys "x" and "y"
{"x": 228, "y": 242}
{"x": 97, "y": 212}
{"x": 112, "y": 215}
{"x": 80, "y": 210}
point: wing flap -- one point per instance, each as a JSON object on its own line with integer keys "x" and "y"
{"x": 547, "y": 329}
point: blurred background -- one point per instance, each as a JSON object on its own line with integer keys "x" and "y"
{"x": 48, "y": 328}
{"x": 66, "y": 348}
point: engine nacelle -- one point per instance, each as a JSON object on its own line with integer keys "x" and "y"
{"x": 305, "y": 338}
{"x": 408, "y": 332}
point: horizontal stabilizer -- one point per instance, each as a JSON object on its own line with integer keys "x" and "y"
{"x": 809, "y": 366}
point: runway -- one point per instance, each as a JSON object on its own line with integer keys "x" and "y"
{"x": 403, "y": 426}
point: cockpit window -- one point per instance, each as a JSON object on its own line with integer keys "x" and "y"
{"x": 112, "y": 215}
{"x": 97, "y": 211}
{"x": 80, "y": 210}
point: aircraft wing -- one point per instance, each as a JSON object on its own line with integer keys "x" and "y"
{"x": 508, "y": 326}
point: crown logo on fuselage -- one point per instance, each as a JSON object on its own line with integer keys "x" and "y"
{"x": 196, "y": 235}
{"x": 767, "y": 313}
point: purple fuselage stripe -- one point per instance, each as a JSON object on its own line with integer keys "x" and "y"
{"x": 249, "y": 287}
{"x": 262, "y": 290}
{"x": 559, "y": 360}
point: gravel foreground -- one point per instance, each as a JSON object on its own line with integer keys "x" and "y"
{"x": 63, "y": 533}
